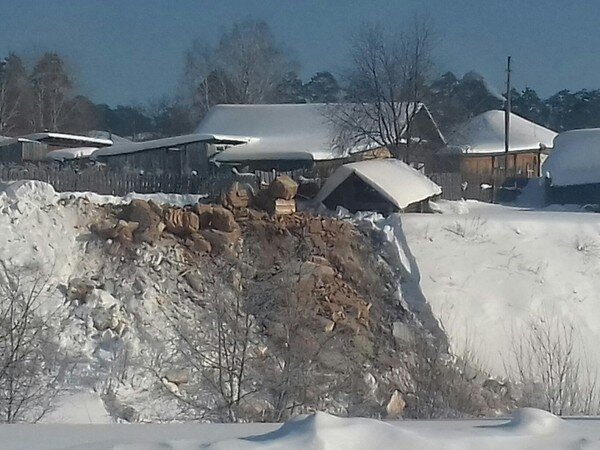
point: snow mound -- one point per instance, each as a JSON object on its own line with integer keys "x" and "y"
{"x": 31, "y": 191}
{"x": 534, "y": 421}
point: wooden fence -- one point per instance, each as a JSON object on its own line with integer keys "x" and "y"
{"x": 102, "y": 181}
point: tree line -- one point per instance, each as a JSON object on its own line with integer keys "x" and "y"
{"x": 247, "y": 65}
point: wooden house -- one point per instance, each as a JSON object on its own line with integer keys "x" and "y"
{"x": 289, "y": 137}
{"x": 476, "y": 150}
{"x": 18, "y": 150}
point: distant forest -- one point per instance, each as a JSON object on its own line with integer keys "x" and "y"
{"x": 247, "y": 65}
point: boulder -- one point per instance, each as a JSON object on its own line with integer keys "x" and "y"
{"x": 78, "y": 289}
{"x": 124, "y": 231}
{"x": 237, "y": 197}
{"x": 223, "y": 220}
{"x": 198, "y": 243}
{"x": 283, "y": 187}
{"x": 205, "y": 213}
{"x": 220, "y": 240}
{"x": 395, "y": 406}
{"x": 181, "y": 223}
{"x": 148, "y": 215}
{"x": 178, "y": 376}
{"x": 105, "y": 229}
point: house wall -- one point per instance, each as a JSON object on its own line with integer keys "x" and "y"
{"x": 18, "y": 152}
{"x": 183, "y": 160}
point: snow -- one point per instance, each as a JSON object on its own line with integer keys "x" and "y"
{"x": 484, "y": 134}
{"x": 492, "y": 272}
{"x": 133, "y": 147}
{"x": 527, "y": 429}
{"x": 66, "y": 154}
{"x": 575, "y": 158}
{"x": 396, "y": 181}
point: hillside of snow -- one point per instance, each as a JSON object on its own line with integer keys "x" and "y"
{"x": 497, "y": 277}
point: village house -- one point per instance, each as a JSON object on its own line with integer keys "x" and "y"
{"x": 572, "y": 171}
{"x": 476, "y": 150}
{"x": 298, "y": 137}
{"x": 17, "y": 150}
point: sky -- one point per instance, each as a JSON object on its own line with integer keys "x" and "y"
{"x": 132, "y": 51}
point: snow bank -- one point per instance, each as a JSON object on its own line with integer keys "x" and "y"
{"x": 159, "y": 197}
{"x": 528, "y": 429}
{"x": 492, "y": 274}
{"x": 67, "y": 154}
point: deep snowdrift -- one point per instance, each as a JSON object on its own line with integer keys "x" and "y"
{"x": 529, "y": 429}
{"x": 492, "y": 274}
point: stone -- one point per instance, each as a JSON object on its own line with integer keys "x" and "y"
{"x": 395, "y": 406}
{"x": 237, "y": 197}
{"x": 195, "y": 282}
{"x": 221, "y": 240}
{"x": 78, "y": 289}
{"x": 149, "y": 217}
{"x": 181, "y": 223}
{"x": 204, "y": 213}
{"x": 124, "y": 231}
{"x": 178, "y": 376}
{"x": 402, "y": 332}
{"x": 198, "y": 243}
{"x": 283, "y": 187}
{"x": 105, "y": 229}
{"x": 223, "y": 219}
{"x": 315, "y": 226}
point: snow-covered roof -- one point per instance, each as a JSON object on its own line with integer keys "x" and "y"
{"x": 66, "y": 154}
{"x": 305, "y": 131}
{"x": 133, "y": 147}
{"x": 290, "y": 131}
{"x": 396, "y": 181}
{"x": 68, "y": 138}
{"x": 484, "y": 134}
{"x": 575, "y": 158}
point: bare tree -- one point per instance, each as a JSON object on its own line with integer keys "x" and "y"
{"x": 548, "y": 361}
{"x": 13, "y": 93}
{"x": 384, "y": 86}
{"x": 29, "y": 368}
{"x": 246, "y": 67}
{"x": 52, "y": 87}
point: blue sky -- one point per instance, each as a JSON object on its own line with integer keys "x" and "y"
{"x": 128, "y": 51}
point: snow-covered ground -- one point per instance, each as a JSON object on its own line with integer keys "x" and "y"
{"x": 493, "y": 273}
{"x": 528, "y": 429}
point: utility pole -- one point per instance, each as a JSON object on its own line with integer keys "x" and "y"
{"x": 507, "y": 108}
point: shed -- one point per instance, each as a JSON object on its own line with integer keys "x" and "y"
{"x": 572, "y": 170}
{"x": 382, "y": 185}
{"x": 174, "y": 155}
{"x": 17, "y": 150}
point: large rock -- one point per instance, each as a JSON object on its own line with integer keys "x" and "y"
{"x": 205, "y": 213}
{"x": 198, "y": 243}
{"x": 395, "y": 406}
{"x": 283, "y": 187}
{"x": 149, "y": 217}
{"x": 223, "y": 220}
{"x": 220, "y": 240}
{"x": 181, "y": 223}
{"x": 237, "y": 197}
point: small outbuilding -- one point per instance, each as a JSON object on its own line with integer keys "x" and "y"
{"x": 572, "y": 171}
{"x": 380, "y": 185}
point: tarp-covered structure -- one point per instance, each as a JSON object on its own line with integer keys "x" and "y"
{"x": 382, "y": 185}
{"x": 572, "y": 170}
